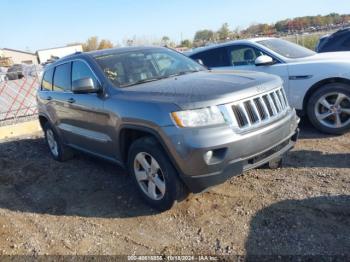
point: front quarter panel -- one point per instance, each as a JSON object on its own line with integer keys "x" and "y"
{"x": 304, "y": 75}
{"x": 142, "y": 114}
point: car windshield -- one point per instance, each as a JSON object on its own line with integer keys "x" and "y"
{"x": 140, "y": 66}
{"x": 286, "y": 49}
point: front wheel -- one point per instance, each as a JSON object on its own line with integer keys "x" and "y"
{"x": 155, "y": 177}
{"x": 329, "y": 108}
{"x": 276, "y": 163}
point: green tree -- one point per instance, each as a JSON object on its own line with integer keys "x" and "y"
{"x": 186, "y": 43}
{"x": 282, "y": 26}
{"x": 204, "y": 35}
{"x": 224, "y": 32}
{"x": 165, "y": 40}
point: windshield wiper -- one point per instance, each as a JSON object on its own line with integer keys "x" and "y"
{"x": 184, "y": 73}
{"x": 143, "y": 81}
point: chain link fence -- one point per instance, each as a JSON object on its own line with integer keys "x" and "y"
{"x": 18, "y": 95}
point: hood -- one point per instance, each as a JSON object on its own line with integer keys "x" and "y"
{"x": 205, "y": 88}
{"x": 326, "y": 57}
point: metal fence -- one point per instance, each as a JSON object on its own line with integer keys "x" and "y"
{"x": 17, "y": 96}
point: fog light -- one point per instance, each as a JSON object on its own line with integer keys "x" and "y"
{"x": 207, "y": 156}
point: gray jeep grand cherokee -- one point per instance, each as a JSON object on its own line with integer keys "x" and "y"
{"x": 176, "y": 126}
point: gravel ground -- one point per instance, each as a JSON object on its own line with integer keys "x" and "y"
{"x": 87, "y": 206}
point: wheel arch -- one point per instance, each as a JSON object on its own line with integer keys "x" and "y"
{"x": 43, "y": 120}
{"x": 129, "y": 133}
{"x": 319, "y": 85}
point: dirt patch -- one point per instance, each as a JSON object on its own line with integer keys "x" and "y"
{"x": 88, "y": 206}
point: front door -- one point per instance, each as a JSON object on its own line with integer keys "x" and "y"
{"x": 88, "y": 119}
{"x": 242, "y": 57}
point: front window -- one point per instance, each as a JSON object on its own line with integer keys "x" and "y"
{"x": 286, "y": 49}
{"x": 244, "y": 55}
{"x": 81, "y": 70}
{"x": 140, "y": 66}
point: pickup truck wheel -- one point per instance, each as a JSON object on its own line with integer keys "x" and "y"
{"x": 58, "y": 150}
{"x": 329, "y": 108}
{"x": 155, "y": 177}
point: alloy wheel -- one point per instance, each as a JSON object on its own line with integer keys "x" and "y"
{"x": 149, "y": 176}
{"x": 333, "y": 110}
{"x": 51, "y": 140}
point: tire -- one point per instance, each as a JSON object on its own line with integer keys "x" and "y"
{"x": 60, "y": 152}
{"x": 336, "y": 112}
{"x": 159, "y": 169}
{"x": 275, "y": 163}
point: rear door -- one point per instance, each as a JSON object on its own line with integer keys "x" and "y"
{"x": 346, "y": 43}
{"x": 214, "y": 58}
{"x": 45, "y": 96}
{"x": 61, "y": 91}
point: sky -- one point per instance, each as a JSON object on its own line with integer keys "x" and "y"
{"x": 39, "y": 24}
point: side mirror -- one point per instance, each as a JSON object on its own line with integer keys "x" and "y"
{"x": 84, "y": 85}
{"x": 199, "y": 61}
{"x": 264, "y": 60}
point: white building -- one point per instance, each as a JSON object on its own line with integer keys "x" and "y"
{"x": 46, "y": 55}
{"x": 18, "y": 56}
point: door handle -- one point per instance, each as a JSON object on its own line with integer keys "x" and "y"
{"x": 48, "y": 98}
{"x": 71, "y": 100}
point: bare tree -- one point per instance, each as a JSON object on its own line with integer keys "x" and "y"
{"x": 91, "y": 44}
{"x": 104, "y": 44}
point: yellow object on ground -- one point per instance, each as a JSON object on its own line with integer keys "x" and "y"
{"x": 20, "y": 129}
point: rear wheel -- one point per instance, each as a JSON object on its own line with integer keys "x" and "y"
{"x": 58, "y": 150}
{"x": 329, "y": 108}
{"x": 155, "y": 178}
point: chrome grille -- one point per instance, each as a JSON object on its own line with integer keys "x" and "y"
{"x": 260, "y": 109}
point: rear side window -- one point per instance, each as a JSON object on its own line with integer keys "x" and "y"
{"x": 81, "y": 70}
{"x": 213, "y": 58}
{"x": 46, "y": 84}
{"x": 62, "y": 78}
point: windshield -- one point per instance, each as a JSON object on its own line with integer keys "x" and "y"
{"x": 140, "y": 66}
{"x": 286, "y": 49}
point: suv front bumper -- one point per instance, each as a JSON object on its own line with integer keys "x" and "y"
{"x": 199, "y": 183}
{"x": 231, "y": 153}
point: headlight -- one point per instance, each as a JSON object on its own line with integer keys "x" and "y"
{"x": 198, "y": 117}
